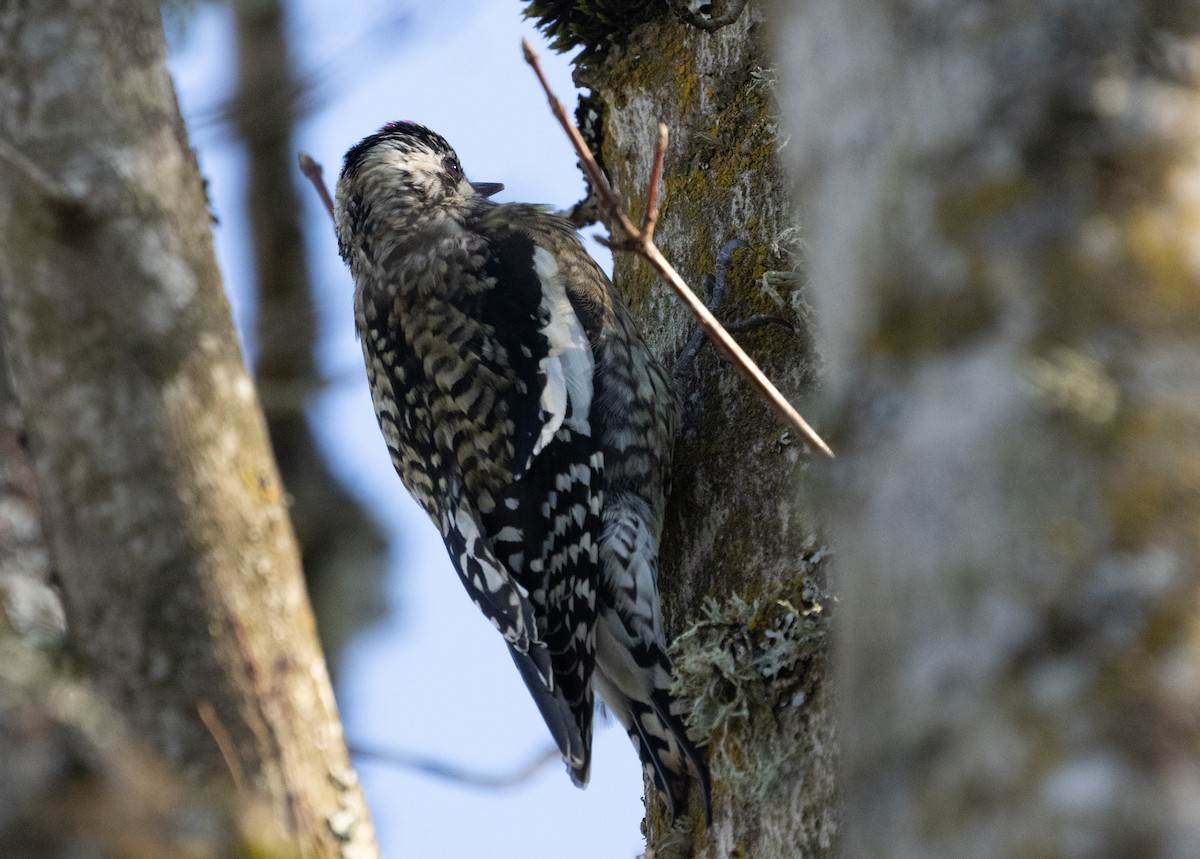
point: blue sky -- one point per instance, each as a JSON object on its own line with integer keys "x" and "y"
{"x": 432, "y": 677}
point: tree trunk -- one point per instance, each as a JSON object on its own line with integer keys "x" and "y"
{"x": 742, "y": 577}
{"x": 29, "y": 605}
{"x": 1000, "y": 206}
{"x": 165, "y": 516}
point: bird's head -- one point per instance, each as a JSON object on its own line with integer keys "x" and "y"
{"x": 399, "y": 183}
{"x": 411, "y": 167}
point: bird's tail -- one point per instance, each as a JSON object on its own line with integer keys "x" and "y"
{"x": 570, "y": 722}
{"x": 642, "y": 703}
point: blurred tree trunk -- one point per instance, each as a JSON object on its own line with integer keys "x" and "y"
{"x": 742, "y": 578}
{"x": 75, "y": 782}
{"x": 1000, "y": 204}
{"x": 164, "y": 511}
{"x": 28, "y": 604}
{"x": 341, "y": 546}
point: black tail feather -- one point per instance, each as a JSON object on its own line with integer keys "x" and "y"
{"x": 574, "y": 741}
{"x": 672, "y": 769}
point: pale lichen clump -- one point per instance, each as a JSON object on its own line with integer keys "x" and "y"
{"x": 741, "y": 667}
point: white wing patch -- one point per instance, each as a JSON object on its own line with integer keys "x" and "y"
{"x": 569, "y": 366}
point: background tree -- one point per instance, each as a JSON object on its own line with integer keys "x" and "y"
{"x": 1000, "y": 210}
{"x": 342, "y": 548}
{"x": 742, "y": 575}
{"x": 165, "y": 519}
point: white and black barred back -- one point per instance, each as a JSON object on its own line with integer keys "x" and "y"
{"x": 526, "y": 415}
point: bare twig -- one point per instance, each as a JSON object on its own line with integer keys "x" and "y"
{"x": 208, "y": 715}
{"x": 50, "y": 189}
{"x": 457, "y": 774}
{"x": 640, "y": 241}
{"x": 310, "y": 168}
{"x": 609, "y": 200}
{"x": 650, "y": 219}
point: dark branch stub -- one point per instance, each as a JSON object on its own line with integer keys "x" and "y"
{"x": 685, "y": 14}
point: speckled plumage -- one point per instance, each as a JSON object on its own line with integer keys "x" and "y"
{"x": 525, "y": 414}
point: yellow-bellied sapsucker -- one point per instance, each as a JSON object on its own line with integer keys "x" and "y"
{"x": 525, "y": 413}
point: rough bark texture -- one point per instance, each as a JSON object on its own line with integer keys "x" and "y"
{"x": 29, "y": 604}
{"x": 341, "y": 547}
{"x": 1000, "y": 204}
{"x": 164, "y": 510}
{"x": 742, "y": 578}
{"x": 74, "y": 782}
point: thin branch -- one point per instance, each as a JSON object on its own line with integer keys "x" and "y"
{"x": 640, "y": 241}
{"x": 650, "y": 219}
{"x": 310, "y": 168}
{"x": 608, "y": 197}
{"x": 208, "y": 715}
{"x": 457, "y": 774}
{"x": 50, "y": 189}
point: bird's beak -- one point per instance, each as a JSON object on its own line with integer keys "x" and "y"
{"x": 487, "y": 189}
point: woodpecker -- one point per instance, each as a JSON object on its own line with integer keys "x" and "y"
{"x": 525, "y": 413}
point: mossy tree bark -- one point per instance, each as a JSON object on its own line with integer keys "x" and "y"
{"x": 1000, "y": 207}
{"x": 165, "y": 518}
{"x": 742, "y": 578}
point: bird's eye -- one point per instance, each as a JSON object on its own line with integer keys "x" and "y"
{"x": 452, "y": 166}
